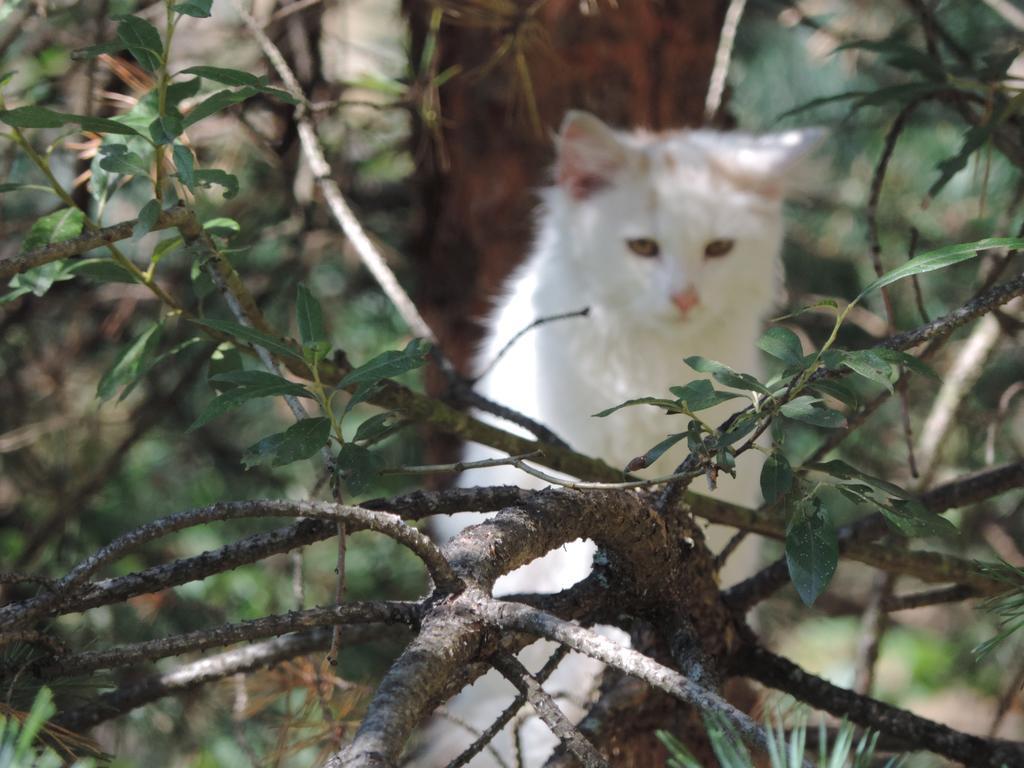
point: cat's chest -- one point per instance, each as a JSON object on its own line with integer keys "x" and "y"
{"x": 590, "y": 368}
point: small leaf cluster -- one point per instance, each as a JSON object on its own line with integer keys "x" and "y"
{"x": 843, "y": 750}
{"x": 983, "y": 78}
{"x": 802, "y": 392}
{"x": 308, "y": 436}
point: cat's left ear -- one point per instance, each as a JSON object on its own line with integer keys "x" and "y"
{"x": 589, "y": 155}
{"x": 772, "y": 164}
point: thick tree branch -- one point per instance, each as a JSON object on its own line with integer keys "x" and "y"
{"x": 354, "y": 517}
{"x": 380, "y": 612}
{"x": 777, "y": 672}
{"x": 522, "y": 618}
{"x": 192, "y": 675}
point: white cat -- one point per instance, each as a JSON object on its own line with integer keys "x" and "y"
{"x": 672, "y": 241}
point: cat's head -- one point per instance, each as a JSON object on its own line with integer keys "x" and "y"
{"x": 683, "y": 226}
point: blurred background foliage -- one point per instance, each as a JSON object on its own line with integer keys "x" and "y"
{"x": 75, "y": 473}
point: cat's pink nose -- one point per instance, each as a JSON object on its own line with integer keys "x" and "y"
{"x": 686, "y": 300}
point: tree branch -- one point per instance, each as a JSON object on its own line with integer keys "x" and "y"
{"x": 376, "y": 612}
{"x": 777, "y": 672}
{"x": 547, "y": 710}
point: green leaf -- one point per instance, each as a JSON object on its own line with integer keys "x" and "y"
{"x": 184, "y": 164}
{"x": 362, "y": 393}
{"x": 101, "y": 125}
{"x": 375, "y": 426}
{"x": 867, "y": 364}
{"x": 55, "y": 227}
{"x": 310, "y": 317}
{"x": 166, "y": 128}
{"x": 102, "y": 271}
{"x": 776, "y": 478}
{"x": 783, "y": 344}
{"x": 225, "y": 359}
{"x": 655, "y": 453}
{"x": 42, "y": 710}
{"x": 40, "y": 117}
{"x": 222, "y": 226}
{"x": 97, "y": 50}
{"x": 940, "y": 259}
{"x": 899, "y": 55}
{"x": 32, "y": 117}
{"x": 199, "y": 9}
{"x": 388, "y": 364}
{"x": 740, "y": 428}
{"x": 836, "y": 389}
{"x": 912, "y": 519}
{"x": 660, "y": 402}
{"x": 300, "y": 441}
{"x": 216, "y": 102}
{"x": 723, "y": 374}
{"x": 840, "y": 469}
{"x": 225, "y": 76}
{"x": 245, "y": 333}
{"x": 699, "y": 395}
{"x": 148, "y": 217}
{"x": 249, "y": 385}
{"x": 911, "y": 363}
{"x": 165, "y": 247}
{"x": 119, "y": 160}
{"x": 176, "y": 93}
{"x": 381, "y": 85}
{"x": 37, "y": 281}
{"x": 811, "y": 410}
{"x": 142, "y": 41}
{"x": 897, "y": 94}
{"x": 131, "y": 364}
{"x": 812, "y": 549}
{"x": 359, "y": 465}
{"x": 207, "y": 177}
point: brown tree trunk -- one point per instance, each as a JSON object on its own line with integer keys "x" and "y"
{"x": 522, "y": 65}
{"x": 631, "y": 62}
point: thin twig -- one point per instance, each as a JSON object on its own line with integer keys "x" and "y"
{"x": 98, "y": 238}
{"x": 522, "y": 332}
{"x": 513, "y": 671}
{"x": 484, "y": 739}
{"x": 723, "y": 59}
{"x": 190, "y": 676}
{"x": 958, "y": 381}
{"x": 872, "y": 626}
{"x": 1010, "y": 13}
{"x": 336, "y": 203}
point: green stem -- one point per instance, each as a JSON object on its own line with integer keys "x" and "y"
{"x": 325, "y": 402}
{"x": 123, "y": 261}
{"x": 163, "y": 80}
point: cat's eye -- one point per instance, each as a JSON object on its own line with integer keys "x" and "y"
{"x": 644, "y": 246}
{"x": 716, "y": 248}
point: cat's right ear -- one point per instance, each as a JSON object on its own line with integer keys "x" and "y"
{"x": 589, "y": 155}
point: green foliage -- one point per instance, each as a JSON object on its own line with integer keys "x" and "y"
{"x": 249, "y": 385}
{"x": 56, "y": 227}
{"x": 25, "y": 739}
{"x": 301, "y": 440}
{"x": 784, "y": 750}
{"x": 812, "y": 549}
{"x": 1008, "y": 608}
{"x": 388, "y": 365}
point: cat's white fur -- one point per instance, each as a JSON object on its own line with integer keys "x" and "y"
{"x": 683, "y": 190}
